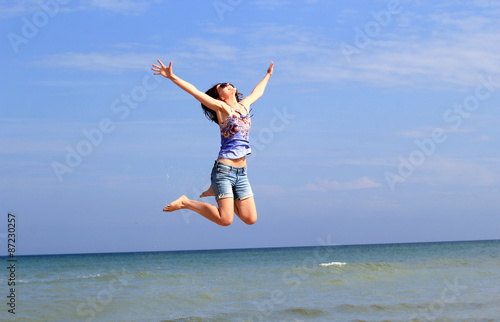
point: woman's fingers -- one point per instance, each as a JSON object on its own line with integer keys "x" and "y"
{"x": 163, "y": 66}
{"x": 162, "y": 69}
{"x": 156, "y": 69}
{"x": 270, "y": 69}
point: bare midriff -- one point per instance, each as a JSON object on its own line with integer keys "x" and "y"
{"x": 238, "y": 163}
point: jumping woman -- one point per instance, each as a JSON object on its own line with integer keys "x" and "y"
{"x": 223, "y": 105}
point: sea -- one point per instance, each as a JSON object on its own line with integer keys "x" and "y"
{"x": 444, "y": 281}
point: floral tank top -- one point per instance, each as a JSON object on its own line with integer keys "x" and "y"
{"x": 234, "y": 134}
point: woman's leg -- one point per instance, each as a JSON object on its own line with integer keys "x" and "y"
{"x": 245, "y": 203}
{"x": 246, "y": 210}
{"x": 222, "y": 216}
{"x": 207, "y": 193}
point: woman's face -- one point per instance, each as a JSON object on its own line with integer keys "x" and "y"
{"x": 226, "y": 90}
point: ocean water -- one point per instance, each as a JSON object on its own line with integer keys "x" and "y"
{"x": 452, "y": 281}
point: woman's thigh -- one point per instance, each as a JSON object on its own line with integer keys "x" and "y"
{"x": 226, "y": 210}
{"x": 246, "y": 210}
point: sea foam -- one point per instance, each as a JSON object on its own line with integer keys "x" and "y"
{"x": 332, "y": 264}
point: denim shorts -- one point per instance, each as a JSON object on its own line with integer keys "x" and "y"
{"x": 230, "y": 182}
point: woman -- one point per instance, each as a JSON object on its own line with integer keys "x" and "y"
{"x": 230, "y": 186}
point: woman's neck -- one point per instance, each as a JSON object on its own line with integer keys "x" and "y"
{"x": 232, "y": 102}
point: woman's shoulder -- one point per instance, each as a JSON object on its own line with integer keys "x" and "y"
{"x": 245, "y": 103}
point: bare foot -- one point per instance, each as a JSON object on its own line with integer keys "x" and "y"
{"x": 180, "y": 203}
{"x": 208, "y": 193}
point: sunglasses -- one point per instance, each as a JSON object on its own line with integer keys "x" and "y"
{"x": 222, "y": 85}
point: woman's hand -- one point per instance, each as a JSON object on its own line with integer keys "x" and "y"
{"x": 163, "y": 70}
{"x": 259, "y": 89}
{"x": 203, "y": 98}
{"x": 270, "y": 69}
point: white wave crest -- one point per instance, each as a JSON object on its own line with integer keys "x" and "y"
{"x": 89, "y": 276}
{"x": 332, "y": 264}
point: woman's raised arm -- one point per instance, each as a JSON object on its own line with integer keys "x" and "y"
{"x": 259, "y": 89}
{"x": 203, "y": 98}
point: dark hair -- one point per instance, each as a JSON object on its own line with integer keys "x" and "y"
{"x": 212, "y": 92}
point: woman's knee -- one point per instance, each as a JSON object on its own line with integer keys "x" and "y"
{"x": 226, "y": 218}
{"x": 226, "y": 221}
{"x": 250, "y": 220}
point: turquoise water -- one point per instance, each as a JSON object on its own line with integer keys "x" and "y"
{"x": 455, "y": 281}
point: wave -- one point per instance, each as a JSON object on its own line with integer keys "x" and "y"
{"x": 186, "y": 319}
{"x": 89, "y": 276}
{"x": 206, "y": 296}
{"x": 305, "y": 312}
{"x": 404, "y": 266}
{"x": 405, "y": 307}
{"x": 196, "y": 319}
{"x": 382, "y": 266}
{"x": 332, "y": 264}
{"x": 52, "y": 278}
{"x": 367, "y": 266}
{"x": 352, "y": 308}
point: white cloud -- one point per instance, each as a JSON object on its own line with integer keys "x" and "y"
{"x": 456, "y": 47}
{"x": 428, "y": 132}
{"x": 195, "y": 51}
{"x": 460, "y": 172}
{"x": 447, "y": 50}
{"x": 26, "y": 136}
{"x": 127, "y": 7}
{"x": 361, "y": 162}
{"x": 270, "y": 4}
{"x": 96, "y": 61}
{"x": 16, "y": 8}
{"x": 442, "y": 50}
{"x": 273, "y": 190}
{"x": 325, "y": 185}
{"x": 25, "y": 7}
{"x": 212, "y": 49}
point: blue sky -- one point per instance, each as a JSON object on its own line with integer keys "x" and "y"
{"x": 379, "y": 125}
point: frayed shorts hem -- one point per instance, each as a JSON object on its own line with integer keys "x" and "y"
{"x": 244, "y": 197}
{"x": 224, "y": 196}
{"x": 230, "y": 195}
